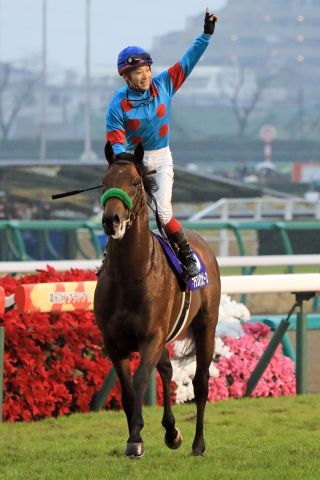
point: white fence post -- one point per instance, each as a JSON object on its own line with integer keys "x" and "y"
{"x": 224, "y": 234}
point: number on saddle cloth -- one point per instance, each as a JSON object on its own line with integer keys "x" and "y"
{"x": 201, "y": 280}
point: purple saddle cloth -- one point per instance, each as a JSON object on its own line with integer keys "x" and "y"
{"x": 201, "y": 280}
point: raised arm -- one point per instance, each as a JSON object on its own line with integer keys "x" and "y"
{"x": 175, "y": 76}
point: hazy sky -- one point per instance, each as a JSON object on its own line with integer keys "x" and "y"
{"x": 114, "y": 25}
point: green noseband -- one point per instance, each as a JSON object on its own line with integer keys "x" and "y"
{"x": 116, "y": 192}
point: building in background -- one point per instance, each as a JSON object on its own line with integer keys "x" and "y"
{"x": 271, "y": 37}
{"x": 65, "y": 103}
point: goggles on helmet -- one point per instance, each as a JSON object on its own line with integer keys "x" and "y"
{"x": 138, "y": 58}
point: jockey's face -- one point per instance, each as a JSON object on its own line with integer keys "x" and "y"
{"x": 141, "y": 77}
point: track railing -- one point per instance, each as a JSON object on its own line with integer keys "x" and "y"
{"x": 15, "y": 235}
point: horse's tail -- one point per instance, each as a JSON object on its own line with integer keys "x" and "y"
{"x": 186, "y": 350}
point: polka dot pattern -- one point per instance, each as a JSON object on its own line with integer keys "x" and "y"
{"x": 164, "y": 130}
{"x": 134, "y": 124}
{"x": 125, "y": 105}
{"x": 136, "y": 140}
{"x": 161, "y": 110}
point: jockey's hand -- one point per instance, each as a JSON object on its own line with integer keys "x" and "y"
{"x": 209, "y": 22}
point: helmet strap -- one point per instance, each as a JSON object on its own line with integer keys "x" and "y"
{"x": 130, "y": 83}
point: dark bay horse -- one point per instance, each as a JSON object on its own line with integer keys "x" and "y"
{"x": 138, "y": 298}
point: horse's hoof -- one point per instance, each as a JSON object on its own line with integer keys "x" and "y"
{"x": 198, "y": 452}
{"x": 134, "y": 450}
{"x": 175, "y": 443}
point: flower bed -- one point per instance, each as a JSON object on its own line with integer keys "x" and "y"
{"x": 54, "y": 363}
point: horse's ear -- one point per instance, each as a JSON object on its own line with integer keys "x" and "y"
{"x": 139, "y": 153}
{"x": 109, "y": 153}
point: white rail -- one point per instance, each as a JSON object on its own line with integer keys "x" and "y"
{"x": 232, "y": 284}
{"x": 259, "y": 208}
{"x": 295, "y": 282}
{"x": 269, "y": 260}
{"x": 59, "y": 265}
{"x": 243, "y": 261}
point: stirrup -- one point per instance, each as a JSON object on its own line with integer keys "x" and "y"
{"x": 189, "y": 263}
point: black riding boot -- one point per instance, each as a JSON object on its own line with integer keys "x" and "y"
{"x": 100, "y": 269}
{"x": 184, "y": 252}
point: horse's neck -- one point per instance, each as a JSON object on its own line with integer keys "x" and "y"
{"x": 131, "y": 257}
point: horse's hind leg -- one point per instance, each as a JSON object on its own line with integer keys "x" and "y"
{"x": 204, "y": 343}
{"x": 172, "y": 438}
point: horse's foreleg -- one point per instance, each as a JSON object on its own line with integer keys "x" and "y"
{"x": 149, "y": 353}
{"x": 172, "y": 438}
{"x": 122, "y": 368}
{"x": 204, "y": 342}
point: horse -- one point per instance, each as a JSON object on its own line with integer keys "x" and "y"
{"x": 138, "y": 298}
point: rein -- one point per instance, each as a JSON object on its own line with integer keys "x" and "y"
{"x": 157, "y": 216}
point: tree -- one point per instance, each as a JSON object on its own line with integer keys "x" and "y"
{"x": 244, "y": 89}
{"x": 16, "y": 86}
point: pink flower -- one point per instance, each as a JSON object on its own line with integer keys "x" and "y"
{"x": 278, "y": 378}
{"x": 218, "y": 389}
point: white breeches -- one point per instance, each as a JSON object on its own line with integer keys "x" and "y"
{"x": 161, "y": 161}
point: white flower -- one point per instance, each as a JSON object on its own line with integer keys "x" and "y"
{"x": 231, "y": 310}
{"x": 213, "y": 371}
{"x": 231, "y": 316}
{"x": 221, "y": 349}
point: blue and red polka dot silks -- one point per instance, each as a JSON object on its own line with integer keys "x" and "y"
{"x": 136, "y": 117}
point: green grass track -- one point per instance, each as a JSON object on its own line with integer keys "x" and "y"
{"x": 272, "y": 438}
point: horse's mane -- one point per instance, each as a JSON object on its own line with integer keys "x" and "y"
{"x": 149, "y": 181}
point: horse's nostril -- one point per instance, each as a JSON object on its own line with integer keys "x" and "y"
{"x": 110, "y": 223}
{"x": 107, "y": 225}
{"x": 116, "y": 219}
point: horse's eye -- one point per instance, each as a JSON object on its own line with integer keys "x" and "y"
{"x": 136, "y": 183}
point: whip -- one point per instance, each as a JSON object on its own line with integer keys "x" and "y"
{"x": 75, "y": 192}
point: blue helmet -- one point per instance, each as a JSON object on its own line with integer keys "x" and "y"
{"x": 132, "y": 57}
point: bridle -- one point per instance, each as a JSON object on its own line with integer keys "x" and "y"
{"x": 134, "y": 210}
{"x": 133, "y": 206}
{"x": 136, "y": 206}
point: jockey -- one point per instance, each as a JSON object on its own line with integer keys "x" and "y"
{"x": 140, "y": 112}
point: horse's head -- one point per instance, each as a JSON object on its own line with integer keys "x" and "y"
{"x": 123, "y": 194}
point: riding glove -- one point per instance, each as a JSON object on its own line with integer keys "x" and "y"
{"x": 209, "y": 25}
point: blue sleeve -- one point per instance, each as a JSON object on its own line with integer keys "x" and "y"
{"x": 115, "y": 128}
{"x": 175, "y": 76}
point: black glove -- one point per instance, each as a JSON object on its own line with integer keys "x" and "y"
{"x": 209, "y": 23}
